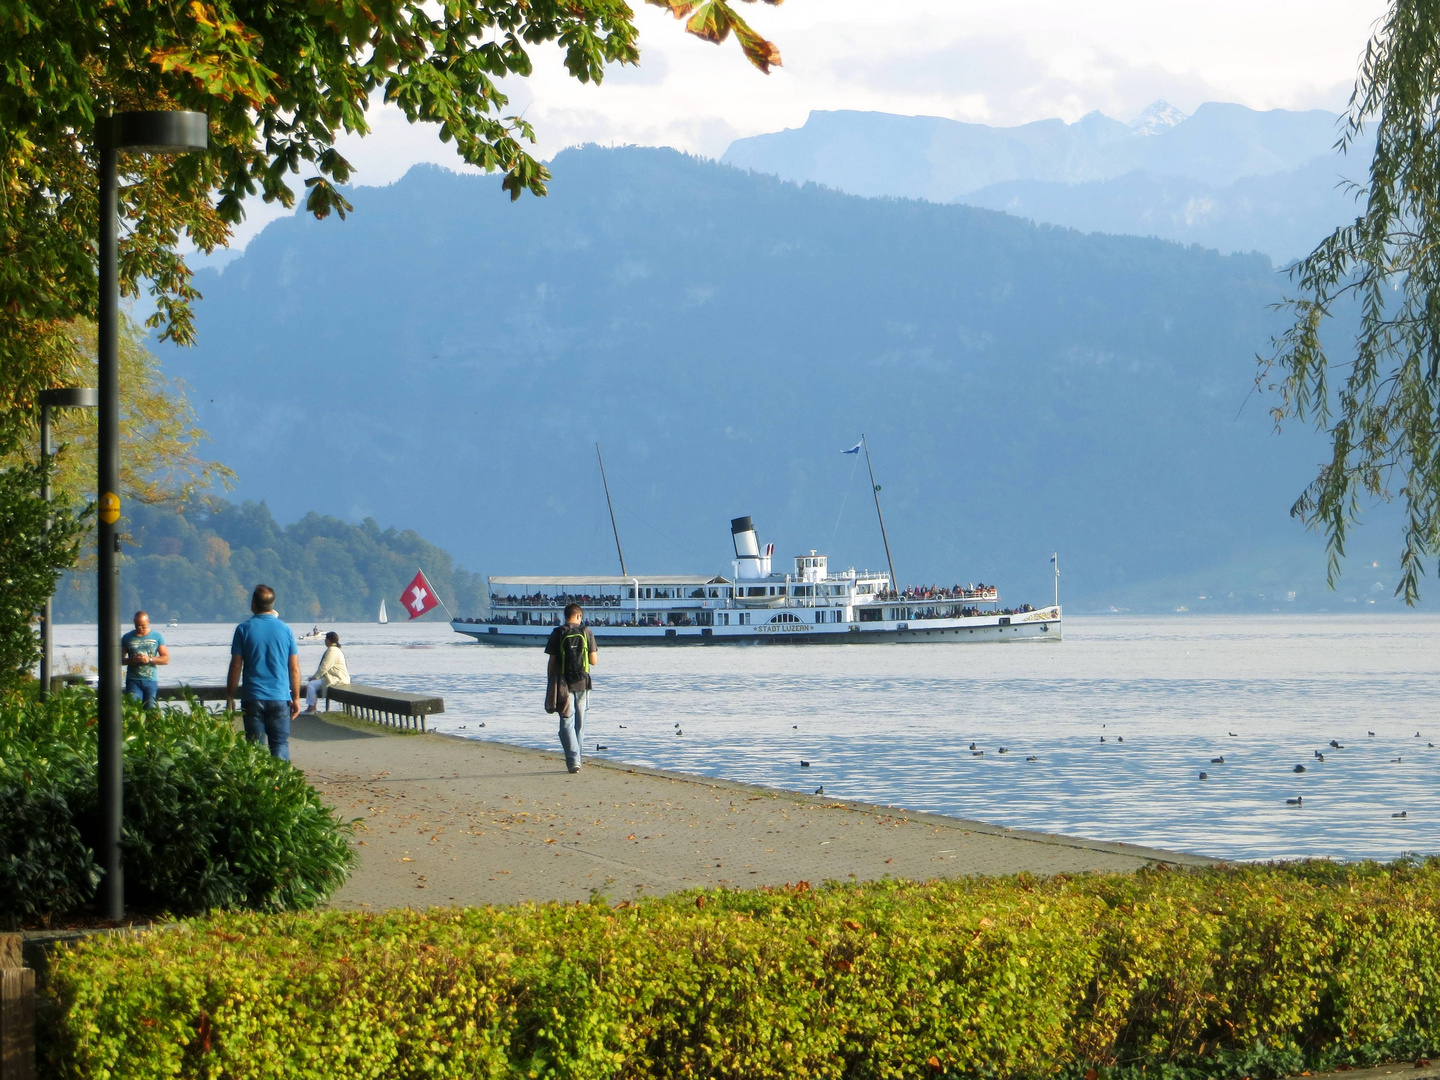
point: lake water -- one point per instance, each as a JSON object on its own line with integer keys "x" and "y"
{"x": 893, "y": 724}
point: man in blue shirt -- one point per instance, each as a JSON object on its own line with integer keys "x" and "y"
{"x": 141, "y": 650}
{"x": 264, "y": 652}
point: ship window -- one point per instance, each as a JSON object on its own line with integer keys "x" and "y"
{"x": 744, "y": 618}
{"x": 819, "y": 616}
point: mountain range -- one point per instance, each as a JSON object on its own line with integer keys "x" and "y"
{"x": 446, "y": 361}
{"x": 1227, "y": 177}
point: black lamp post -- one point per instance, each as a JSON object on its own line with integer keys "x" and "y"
{"x": 62, "y": 398}
{"x": 145, "y": 133}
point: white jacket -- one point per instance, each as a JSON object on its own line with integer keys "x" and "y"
{"x": 332, "y": 670}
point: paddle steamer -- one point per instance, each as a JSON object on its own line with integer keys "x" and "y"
{"x": 757, "y": 604}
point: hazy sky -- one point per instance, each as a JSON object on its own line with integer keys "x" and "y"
{"x": 995, "y": 63}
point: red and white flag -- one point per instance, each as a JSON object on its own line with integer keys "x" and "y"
{"x": 419, "y": 596}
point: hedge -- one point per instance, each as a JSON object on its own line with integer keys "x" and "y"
{"x": 1253, "y": 971}
{"x": 211, "y": 820}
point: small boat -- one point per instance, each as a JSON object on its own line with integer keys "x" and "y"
{"x": 383, "y": 619}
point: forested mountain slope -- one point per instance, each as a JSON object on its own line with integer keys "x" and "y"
{"x": 446, "y": 360}
{"x": 201, "y": 566}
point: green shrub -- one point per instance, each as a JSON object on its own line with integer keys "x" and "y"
{"x": 211, "y": 820}
{"x": 1224, "y": 973}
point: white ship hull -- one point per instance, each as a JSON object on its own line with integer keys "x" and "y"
{"x": 1041, "y": 625}
{"x": 758, "y": 605}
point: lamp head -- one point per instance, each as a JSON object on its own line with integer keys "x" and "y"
{"x": 70, "y": 397}
{"x": 157, "y": 131}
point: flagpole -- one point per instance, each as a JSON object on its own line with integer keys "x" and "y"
{"x": 442, "y": 604}
{"x": 613, "y": 527}
{"x": 875, "y": 491}
{"x": 435, "y": 593}
{"x": 1056, "y": 560}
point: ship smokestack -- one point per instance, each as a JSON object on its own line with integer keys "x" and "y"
{"x": 747, "y": 549}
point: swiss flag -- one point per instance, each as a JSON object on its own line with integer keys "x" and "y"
{"x": 419, "y": 596}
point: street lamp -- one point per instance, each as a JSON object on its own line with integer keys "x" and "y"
{"x": 62, "y": 398}
{"x": 144, "y": 133}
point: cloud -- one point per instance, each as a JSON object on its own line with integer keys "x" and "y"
{"x": 652, "y": 70}
{"x": 1000, "y": 80}
{"x": 971, "y": 60}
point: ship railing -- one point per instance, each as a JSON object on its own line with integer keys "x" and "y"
{"x": 539, "y": 600}
{"x": 942, "y": 596}
{"x": 920, "y": 612}
{"x": 603, "y": 620}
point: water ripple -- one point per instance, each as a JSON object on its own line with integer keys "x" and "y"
{"x": 894, "y": 724}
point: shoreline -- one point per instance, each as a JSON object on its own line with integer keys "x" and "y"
{"x": 455, "y": 821}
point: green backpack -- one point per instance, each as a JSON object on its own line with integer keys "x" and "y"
{"x": 574, "y": 653}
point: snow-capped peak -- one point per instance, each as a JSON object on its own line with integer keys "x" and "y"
{"x": 1157, "y": 116}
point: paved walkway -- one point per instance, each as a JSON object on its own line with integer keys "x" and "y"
{"x": 455, "y": 821}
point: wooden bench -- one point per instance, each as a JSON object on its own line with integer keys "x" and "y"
{"x": 391, "y": 707}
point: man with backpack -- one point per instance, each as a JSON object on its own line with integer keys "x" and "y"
{"x": 572, "y": 653}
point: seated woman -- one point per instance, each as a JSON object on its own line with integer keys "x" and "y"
{"x": 331, "y": 672}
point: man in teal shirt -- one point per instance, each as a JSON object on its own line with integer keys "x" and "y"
{"x": 264, "y": 652}
{"x": 141, "y": 651}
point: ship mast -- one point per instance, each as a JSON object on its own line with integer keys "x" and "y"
{"x": 613, "y": 527}
{"x": 875, "y": 491}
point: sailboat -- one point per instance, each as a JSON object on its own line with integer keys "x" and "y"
{"x": 383, "y": 619}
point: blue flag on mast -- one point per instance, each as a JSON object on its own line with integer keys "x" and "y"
{"x": 853, "y": 450}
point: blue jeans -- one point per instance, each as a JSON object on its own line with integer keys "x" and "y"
{"x": 268, "y": 720}
{"x": 144, "y": 689}
{"x": 570, "y": 728}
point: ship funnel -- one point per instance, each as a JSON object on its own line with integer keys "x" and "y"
{"x": 749, "y": 563}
